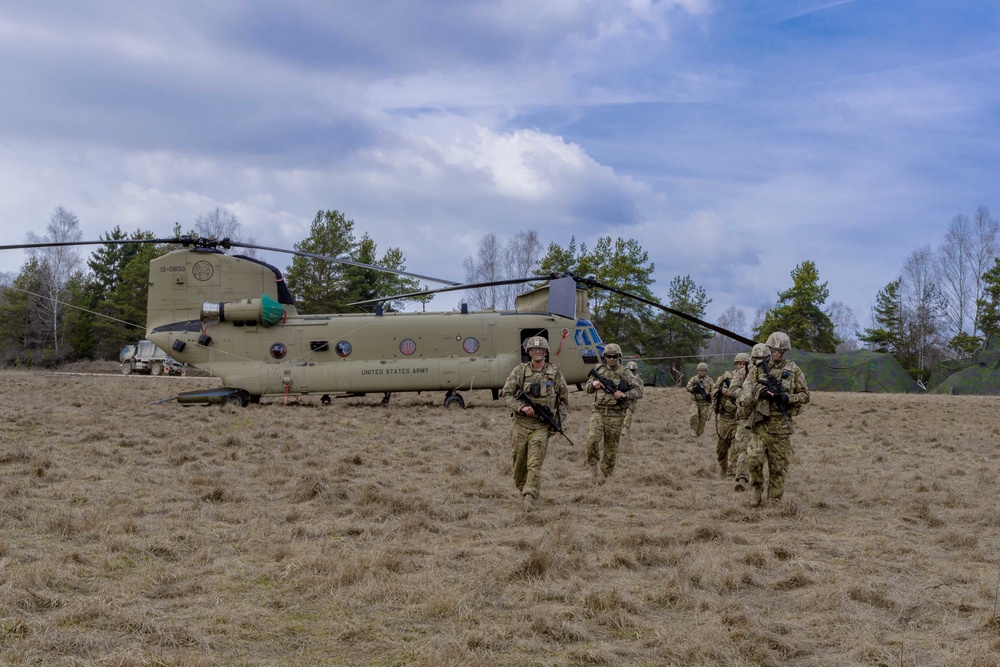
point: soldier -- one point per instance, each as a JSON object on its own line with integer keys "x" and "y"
{"x": 700, "y": 388}
{"x": 743, "y": 408}
{"x": 634, "y": 367}
{"x": 725, "y": 413}
{"x": 542, "y": 384}
{"x": 611, "y": 399}
{"x": 777, "y": 391}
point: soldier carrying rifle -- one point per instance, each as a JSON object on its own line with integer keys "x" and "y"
{"x": 700, "y": 388}
{"x": 536, "y": 393}
{"x": 614, "y": 387}
{"x": 775, "y": 389}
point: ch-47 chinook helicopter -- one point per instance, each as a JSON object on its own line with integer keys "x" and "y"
{"x": 235, "y": 318}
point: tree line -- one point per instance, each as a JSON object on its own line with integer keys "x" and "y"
{"x": 944, "y": 303}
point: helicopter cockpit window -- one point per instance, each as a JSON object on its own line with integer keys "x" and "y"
{"x": 278, "y": 351}
{"x": 343, "y": 348}
{"x": 407, "y": 347}
{"x": 582, "y": 337}
{"x": 596, "y": 336}
{"x": 470, "y": 345}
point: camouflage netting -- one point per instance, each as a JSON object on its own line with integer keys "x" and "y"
{"x": 652, "y": 376}
{"x": 861, "y": 371}
{"x": 978, "y": 375}
{"x": 978, "y": 379}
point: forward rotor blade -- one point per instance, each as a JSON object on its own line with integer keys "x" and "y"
{"x": 690, "y": 318}
{"x": 55, "y": 244}
{"x": 340, "y": 260}
{"x": 201, "y": 242}
{"x": 454, "y": 287}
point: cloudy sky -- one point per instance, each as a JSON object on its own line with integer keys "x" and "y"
{"x": 732, "y": 139}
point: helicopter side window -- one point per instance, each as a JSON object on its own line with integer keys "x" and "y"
{"x": 278, "y": 351}
{"x": 470, "y": 345}
{"x": 343, "y": 348}
{"x": 407, "y": 347}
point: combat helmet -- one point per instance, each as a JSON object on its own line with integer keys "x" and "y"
{"x": 612, "y": 348}
{"x": 759, "y": 351}
{"x": 742, "y": 356}
{"x": 632, "y": 366}
{"x": 779, "y": 341}
{"x": 536, "y": 341}
{"x": 703, "y": 366}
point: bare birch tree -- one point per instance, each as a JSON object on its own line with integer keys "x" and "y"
{"x": 518, "y": 258}
{"x": 922, "y": 306}
{"x": 221, "y": 223}
{"x": 845, "y": 327}
{"x": 760, "y": 314}
{"x": 985, "y": 230}
{"x": 735, "y": 320}
{"x": 954, "y": 261}
{"x": 56, "y": 266}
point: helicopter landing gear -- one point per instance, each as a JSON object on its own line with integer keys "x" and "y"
{"x": 325, "y": 399}
{"x": 385, "y": 398}
{"x": 238, "y": 399}
{"x": 453, "y": 401}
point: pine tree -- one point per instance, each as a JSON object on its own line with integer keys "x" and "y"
{"x": 887, "y": 333}
{"x": 799, "y": 315}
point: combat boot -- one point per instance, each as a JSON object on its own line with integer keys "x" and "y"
{"x": 592, "y": 472}
{"x": 755, "y": 496}
{"x": 723, "y": 470}
{"x": 741, "y": 484}
{"x": 529, "y": 503}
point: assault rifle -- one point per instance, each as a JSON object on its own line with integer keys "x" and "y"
{"x": 773, "y": 392}
{"x": 609, "y": 385}
{"x": 700, "y": 391}
{"x": 543, "y": 413}
{"x": 718, "y": 395}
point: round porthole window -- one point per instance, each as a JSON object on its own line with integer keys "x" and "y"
{"x": 470, "y": 345}
{"x": 278, "y": 351}
{"x": 343, "y": 348}
{"x": 407, "y": 347}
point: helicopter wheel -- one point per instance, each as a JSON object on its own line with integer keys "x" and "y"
{"x": 238, "y": 399}
{"x": 325, "y": 399}
{"x": 454, "y": 401}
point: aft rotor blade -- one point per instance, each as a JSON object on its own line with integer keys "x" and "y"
{"x": 691, "y": 318}
{"x": 454, "y": 287}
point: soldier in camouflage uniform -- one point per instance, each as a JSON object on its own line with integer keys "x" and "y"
{"x": 743, "y": 407}
{"x": 725, "y": 413}
{"x": 634, "y": 367}
{"x": 777, "y": 391}
{"x": 700, "y": 388}
{"x": 543, "y": 384}
{"x": 608, "y": 415}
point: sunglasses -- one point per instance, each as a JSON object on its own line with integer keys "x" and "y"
{"x": 611, "y": 356}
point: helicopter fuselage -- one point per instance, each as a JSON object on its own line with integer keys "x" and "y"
{"x": 231, "y": 317}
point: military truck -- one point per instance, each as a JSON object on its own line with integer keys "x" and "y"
{"x": 146, "y": 357}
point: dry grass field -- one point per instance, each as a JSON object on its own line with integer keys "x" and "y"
{"x": 133, "y": 533}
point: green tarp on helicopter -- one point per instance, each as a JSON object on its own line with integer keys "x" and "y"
{"x": 862, "y": 371}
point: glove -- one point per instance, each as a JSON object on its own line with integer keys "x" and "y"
{"x": 783, "y": 399}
